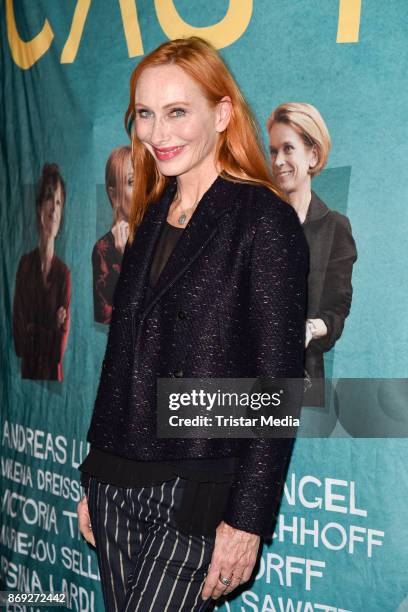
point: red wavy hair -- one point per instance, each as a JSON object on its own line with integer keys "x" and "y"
{"x": 239, "y": 154}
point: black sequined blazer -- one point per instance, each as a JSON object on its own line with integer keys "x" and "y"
{"x": 230, "y": 302}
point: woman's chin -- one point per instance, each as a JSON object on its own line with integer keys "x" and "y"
{"x": 49, "y": 233}
{"x": 167, "y": 170}
{"x": 285, "y": 184}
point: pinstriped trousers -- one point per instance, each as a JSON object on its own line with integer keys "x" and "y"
{"x": 145, "y": 563}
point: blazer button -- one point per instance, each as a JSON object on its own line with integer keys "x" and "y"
{"x": 181, "y": 314}
{"x": 179, "y": 373}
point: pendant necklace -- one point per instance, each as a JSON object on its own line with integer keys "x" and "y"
{"x": 183, "y": 217}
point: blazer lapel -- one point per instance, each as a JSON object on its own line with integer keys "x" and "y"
{"x": 318, "y": 229}
{"x": 203, "y": 225}
{"x": 144, "y": 245}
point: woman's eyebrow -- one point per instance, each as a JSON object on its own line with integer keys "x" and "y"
{"x": 284, "y": 144}
{"x": 166, "y": 105}
{"x": 175, "y": 104}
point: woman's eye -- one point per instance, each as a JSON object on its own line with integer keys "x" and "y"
{"x": 288, "y": 148}
{"x": 177, "y": 112}
{"x": 143, "y": 113}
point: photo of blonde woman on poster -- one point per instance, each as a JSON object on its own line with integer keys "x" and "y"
{"x": 299, "y": 145}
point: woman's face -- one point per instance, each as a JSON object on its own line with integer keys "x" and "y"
{"x": 124, "y": 204}
{"x": 291, "y": 158}
{"x": 175, "y": 122}
{"x": 51, "y": 211}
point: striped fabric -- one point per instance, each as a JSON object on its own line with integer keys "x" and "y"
{"x": 145, "y": 563}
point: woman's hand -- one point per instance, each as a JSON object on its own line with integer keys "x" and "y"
{"x": 120, "y": 233}
{"x": 84, "y": 521}
{"x": 315, "y": 328}
{"x": 61, "y": 316}
{"x": 233, "y": 557}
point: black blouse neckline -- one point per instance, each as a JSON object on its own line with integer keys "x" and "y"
{"x": 174, "y": 226}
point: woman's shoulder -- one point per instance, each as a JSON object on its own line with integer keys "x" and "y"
{"x": 320, "y": 210}
{"x": 28, "y": 260}
{"x": 60, "y": 267}
{"x": 259, "y": 202}
{"x": 31, "y": 255}
{"x": 104, "y": 242}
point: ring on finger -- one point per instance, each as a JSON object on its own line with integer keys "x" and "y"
{"x": 234, "y": 584}
{"x": 225, "y": 581}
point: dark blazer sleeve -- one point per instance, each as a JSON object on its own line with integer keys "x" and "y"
{"x": 337, "y": 289}
{"x": 278, "y": 294}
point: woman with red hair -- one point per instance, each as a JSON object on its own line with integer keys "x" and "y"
{"x": 213, "y": 285}
{"x": 108, "y": 250}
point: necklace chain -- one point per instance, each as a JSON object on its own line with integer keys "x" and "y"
{"x": 183, "y": 217}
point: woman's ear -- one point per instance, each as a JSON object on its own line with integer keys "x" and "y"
{"x": 314, "y": 158}
{"x": 224, "y": 111}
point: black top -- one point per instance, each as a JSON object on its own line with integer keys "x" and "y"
{"x": 167, "y": 241}
{"x": 230, "y": 303}
{"x": 123, "y": 472}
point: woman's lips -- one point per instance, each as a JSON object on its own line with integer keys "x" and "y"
{"x": 166, "y": 153}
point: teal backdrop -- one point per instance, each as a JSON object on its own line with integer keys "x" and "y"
{"x": 341, "y": 541}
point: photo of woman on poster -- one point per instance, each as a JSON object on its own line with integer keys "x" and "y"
{"x": 41, "y": 309}
{"x": 108, "y": 251}
{"x": 299, "y": 145}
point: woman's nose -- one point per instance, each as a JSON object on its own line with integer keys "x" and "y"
{"x": 279, "y": 159}
{"x": 159, "y": 133}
